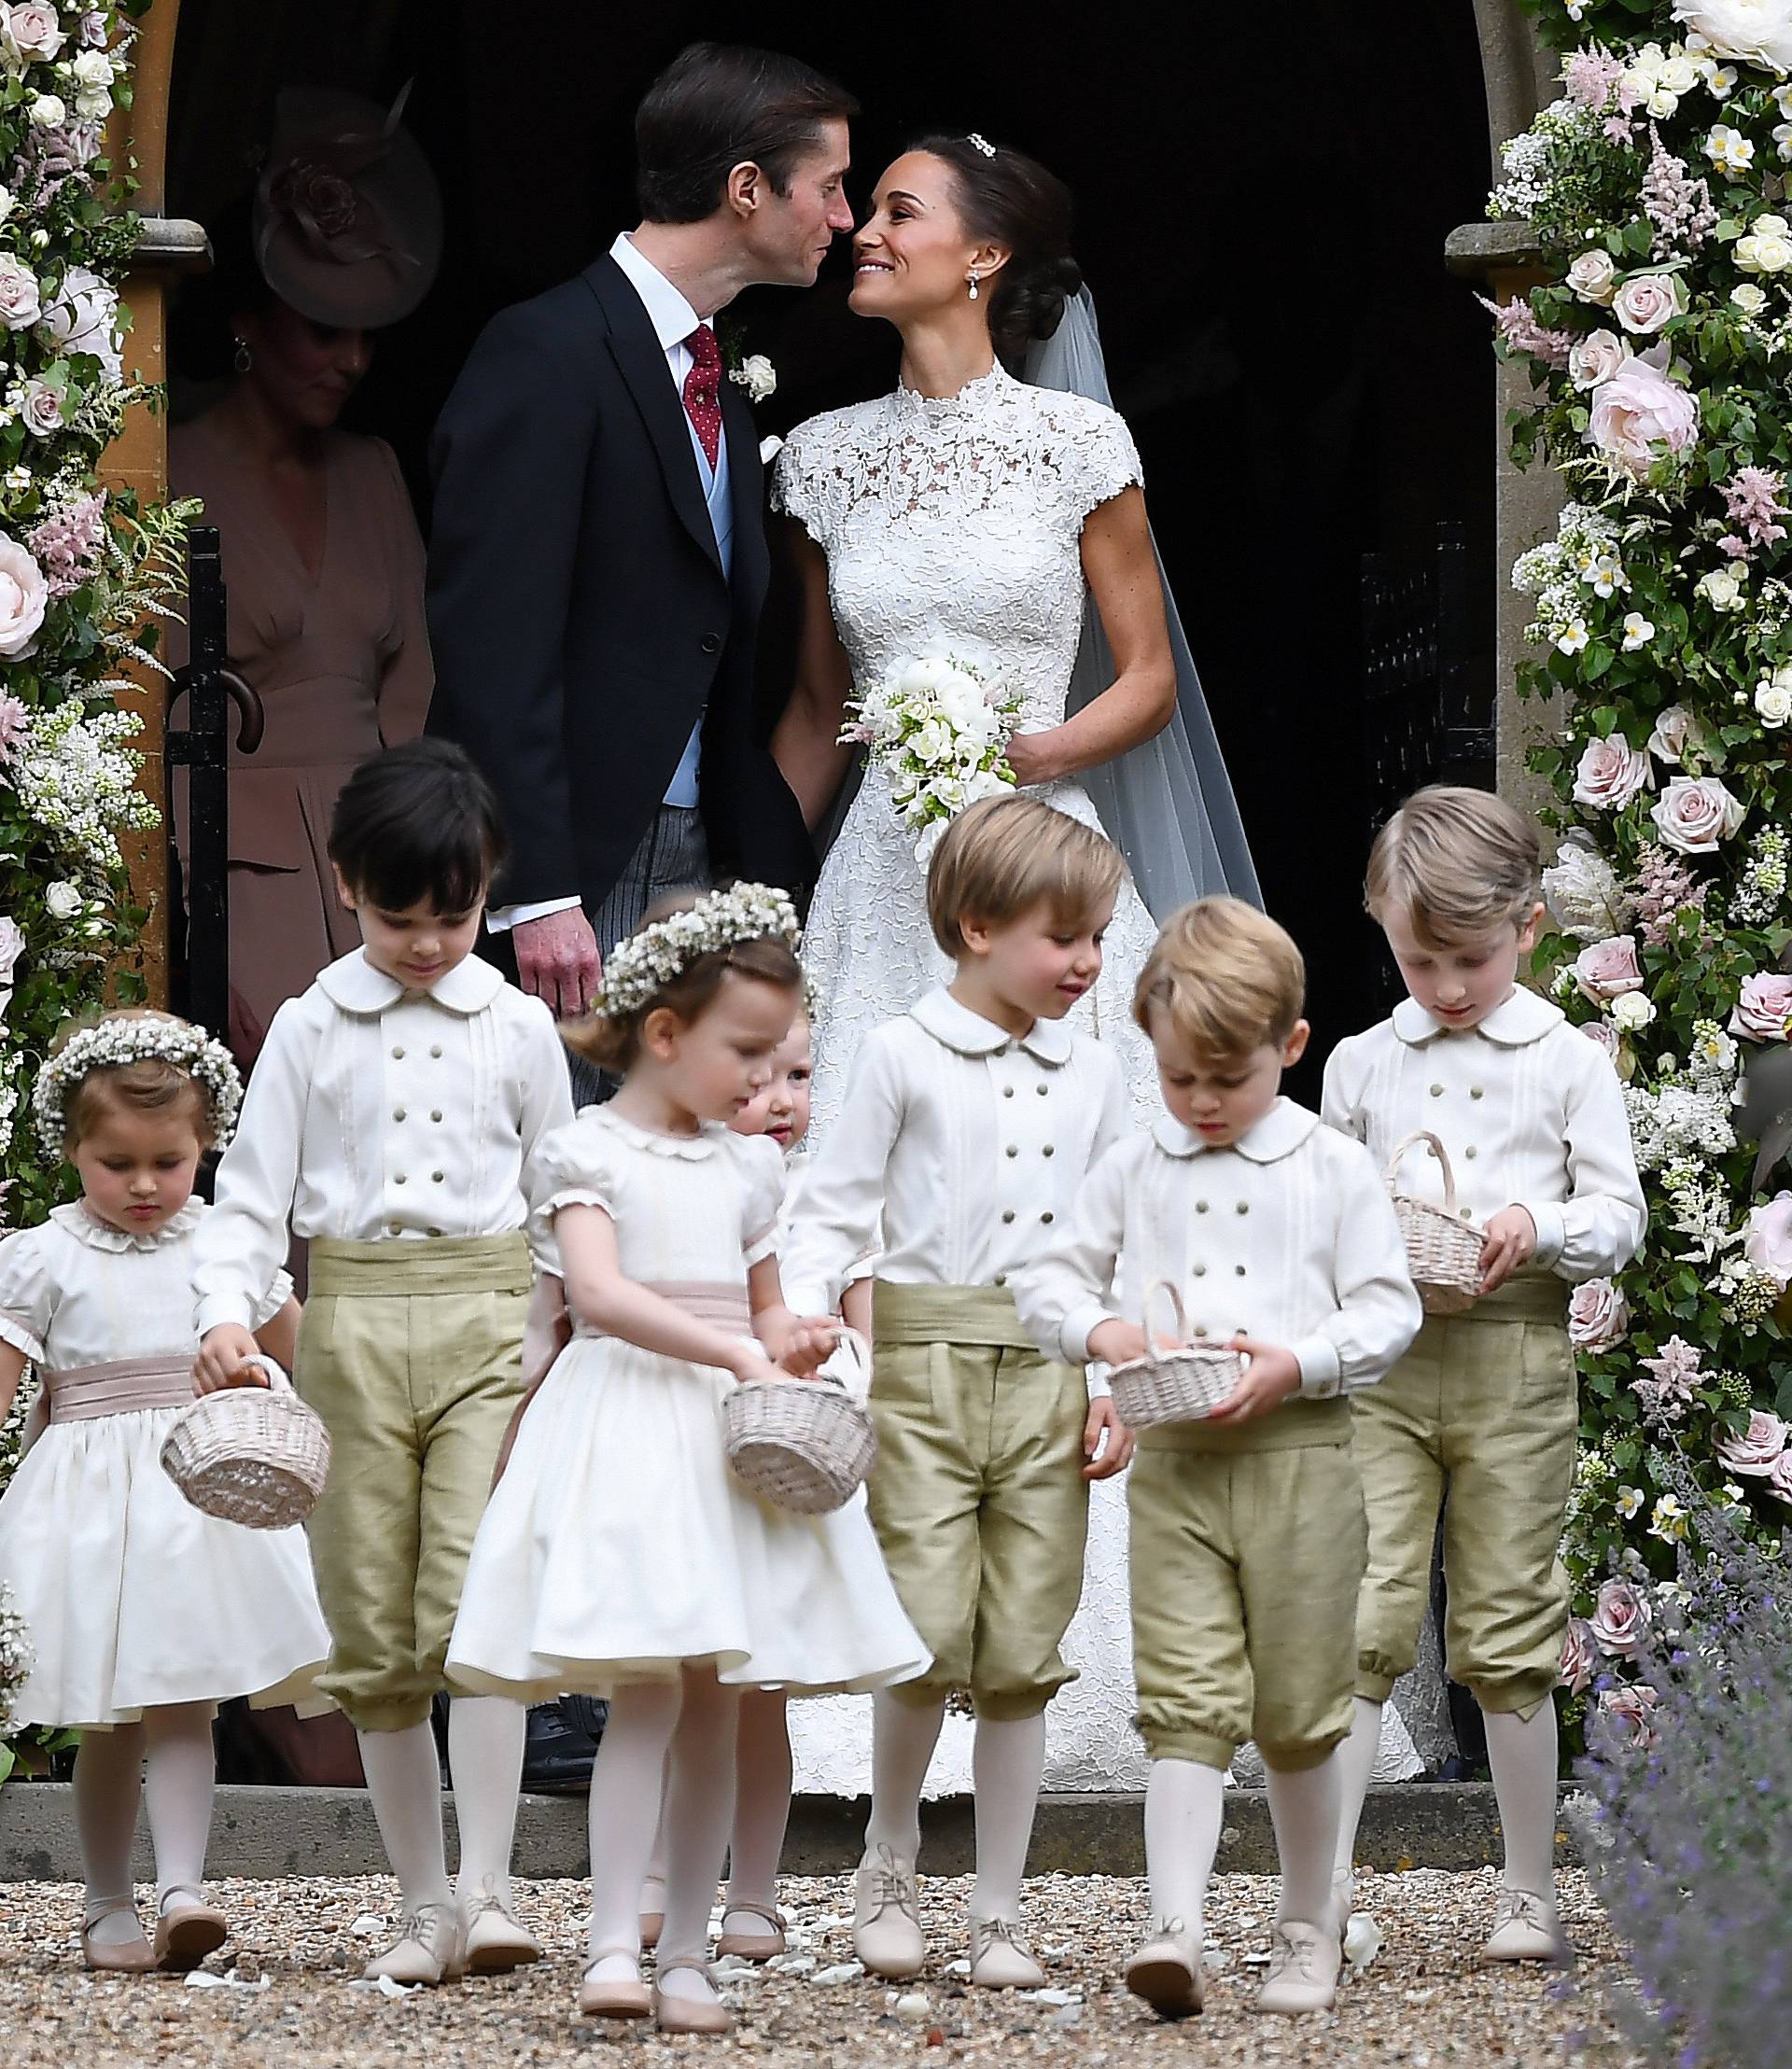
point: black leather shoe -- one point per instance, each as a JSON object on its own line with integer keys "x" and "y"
{"x": 558, "y": 1749}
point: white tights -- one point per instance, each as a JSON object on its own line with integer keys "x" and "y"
{"x": 1007, "y": 1760}
{"x": 761, "y": 1809}
{"x": 1184, "y": 1804}
{"x": 166, "y": 1761}
{"x": 1522, "y": 1754}
{"x": 485, "y": 1737}
{"x": 676, "y": 1739}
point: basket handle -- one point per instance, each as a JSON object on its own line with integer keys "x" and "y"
{"x": 1438, "y": 1149}
{"x": 858, "y": 1357}
{"x": 277, "y": 1381}
{"x": 1165, "y": 1286}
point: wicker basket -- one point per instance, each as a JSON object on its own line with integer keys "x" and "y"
{"x": 251, "y": 1455}
{"x": 1182, "y": 1385}
{"x": 804, "y": 1445}
{"x": 1442, "y": 1249}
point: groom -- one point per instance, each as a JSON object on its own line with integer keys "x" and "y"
{"x": 598, "y": 560}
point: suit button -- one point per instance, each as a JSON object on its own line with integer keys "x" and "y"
{"x": 710, "y": 642}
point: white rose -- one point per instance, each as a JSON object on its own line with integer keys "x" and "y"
{"x": 1596, "y": 358}
{"x": 19, "y": 303}
{"x": 92, "y": 68}
{"x": 1679, "y": 74}
{"x": 1759, "y": 32}
{"x": 1694, "y": 813}
{"x": 1722, "y": 589}
{"x": 1672, "y": 730}
{"x": 1748, "y": 297}
{"x": 92, "y": 103}
{"x": 1768, "y": 246}
{"x": 1632, "y": 1012}
{"x": 41, "y": 412}
{"x": 1593, "y": 276}
{"x": 24, "y": 596}
{"x": 1643, "y": 305}
{"x": 84, "y": 317}
{"x": 923, "y": 678}
{"x": 757, "y": 376}
{"x": 1774, "y": 702}
{"x": 32, "y": 31}
{"x": 61, "y": 901}
{"x": 47, "y": 112}
{"x": 986, "y": 783}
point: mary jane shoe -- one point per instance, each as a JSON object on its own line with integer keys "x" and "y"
{"x": 620, "y": 1998}
{"x": 752, "y": 1947}
{"x": 131, "y": 1957}
{"x": 690, "y": 2015}
{"x": 186, "y": 1933}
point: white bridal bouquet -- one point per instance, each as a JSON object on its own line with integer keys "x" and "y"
{"x": 939, "y": 732}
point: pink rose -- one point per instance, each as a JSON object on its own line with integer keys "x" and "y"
{"x": 1694, "y": 813}
{"x": 19, "y": 303}
{"x": 1753, "y": 1453}
{"x": 1631, "y": 1710}
{"x": 1767, "y": 1241}
{"x": 24, "y": 595}
{"x": 1671, "y": 735}
{"x": 1606, "y": 968}
{"x": 32, "y": 30}
{"x": 41, "y": 412}
{"x": 1639, "y": 408}
{"x": 1779, "y": 1478}
{"x": 1596, "y": 358}
{"x": 1763, "y": 1007}
{"x": 1579, "y": 1656}
{"x": 1602, "y": 1035}
{"x": 1599, "y": 1316}
{"x": 1620, "y": 1620}
{"x": 1593, "y": 276}
{"x": 1611, "y": 773}
{"x": 1643, "y": 305}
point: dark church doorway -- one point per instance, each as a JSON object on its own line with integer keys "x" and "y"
{"x": 1261, "y": 221}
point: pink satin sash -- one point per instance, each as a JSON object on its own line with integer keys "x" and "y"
{"x": 120, "y": 1387}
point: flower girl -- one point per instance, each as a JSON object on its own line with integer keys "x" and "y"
{"x": 143, "y": 1612}
{"x": 617, "y": 1556}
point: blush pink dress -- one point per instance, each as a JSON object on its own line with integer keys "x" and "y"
{"x": 340, "y": 660}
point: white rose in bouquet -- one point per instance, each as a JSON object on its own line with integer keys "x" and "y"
{"x": 62, "y": 900}
{"x": 923, "y": 678}
{"x": 1633, "y": 1011}
{"x": 1757, "y": 31}
{"x": 1766, "y": 247}
{"x": 932, "y": 743}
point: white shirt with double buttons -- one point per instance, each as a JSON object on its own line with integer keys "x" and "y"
{"x": 1530, "y": 1113}
{"x": 374, "y": 1112}
{"x": 1287, "y": 1234}
{"x": 968, "y": 1142}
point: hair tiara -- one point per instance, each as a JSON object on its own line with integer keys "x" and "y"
{"x": 126, "y": 1039}
{"x": 981, "y": 144}
{"x": 649, "y": 960}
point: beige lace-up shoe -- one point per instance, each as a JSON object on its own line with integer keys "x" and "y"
{"x": 885, "y": 1925}
{"x": 1167, "y": 1970}
{"x": 1303, "y": 1969}
{"x": 1525, "y": 1929}
{"x": 496, "y": 1941}
{"x": 1000, "y": 1958}
{"x": 430, "y": 1948}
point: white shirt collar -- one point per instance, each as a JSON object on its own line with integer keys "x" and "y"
{"x": 354, "y": 984}
{"x": 972, "y": 1035}
{"x": 1525, "y": 1017}
{"x": 1278, "y": 1134}
{"x": 671, "y": 315}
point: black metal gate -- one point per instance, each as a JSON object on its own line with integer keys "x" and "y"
{"x": 199, "y": 953}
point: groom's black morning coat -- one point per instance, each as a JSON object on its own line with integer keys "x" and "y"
{"x": 578, "y": 610}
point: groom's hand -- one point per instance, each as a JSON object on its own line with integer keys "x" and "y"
{"x": 557, "y": 960}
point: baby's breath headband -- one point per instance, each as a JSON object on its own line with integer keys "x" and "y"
{"x": 981, "y": 144}
{"x": 134, "y": 1040}
{"x": 643, "y": 965}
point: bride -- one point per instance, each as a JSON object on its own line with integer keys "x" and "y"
{"x": 973, "y": 514}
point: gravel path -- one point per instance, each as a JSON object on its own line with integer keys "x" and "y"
{"x": 1424, "y": 2001}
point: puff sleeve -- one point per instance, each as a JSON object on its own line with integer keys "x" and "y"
{"x": 579, "y": 1165}
{"x": 27, "y": 1294}
{"x": 761, "y": 1166}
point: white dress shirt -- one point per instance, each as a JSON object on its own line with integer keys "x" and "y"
{"x": 1530, "y": 1112}
{"x": 968, "y": 1142}
{"x": 673, "y": 319}
{"x": 1286, "y": 1235}
{"x": 374, "y": 1112}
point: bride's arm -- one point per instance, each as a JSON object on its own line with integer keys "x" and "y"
{"x": 1129, "y": 592}
{"x": 806, "y": 740}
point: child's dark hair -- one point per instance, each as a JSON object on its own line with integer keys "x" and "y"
{"x": 418, "y": 823}
{"x": 614, "y": 1043}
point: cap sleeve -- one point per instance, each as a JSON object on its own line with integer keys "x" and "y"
{"x": 582, "y": 1165}
{"x": 763, "y": 1168}
{"x": 27, "y": 1296}
{"x": 1099, "y": 459}
{"x": 797, "y": 488}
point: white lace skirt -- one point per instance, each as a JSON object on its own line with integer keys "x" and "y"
{"x": 133, "y": 1598}
{"x": 869, "y": 955}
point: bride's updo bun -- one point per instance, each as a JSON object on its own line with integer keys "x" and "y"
{"x": 1012, "y": 200}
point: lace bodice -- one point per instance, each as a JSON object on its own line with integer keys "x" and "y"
{"x": 955, "y": 526}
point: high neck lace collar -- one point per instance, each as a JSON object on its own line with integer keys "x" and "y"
{"x": 914, "y": 407}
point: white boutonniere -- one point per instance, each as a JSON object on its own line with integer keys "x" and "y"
{"x": 757, "y": 376}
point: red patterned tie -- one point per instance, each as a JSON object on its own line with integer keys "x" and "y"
{"x": 703, "y": 391}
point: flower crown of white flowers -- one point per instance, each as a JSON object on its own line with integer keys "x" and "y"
{"x": 644, "y": 964}
{"x": 115, "y": 1042}
{"x": 981, "y": 144}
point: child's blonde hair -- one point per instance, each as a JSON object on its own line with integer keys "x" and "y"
{"x": 1454, "y": 864}
{"x": 1001, "y": 858}
{"x": 1227, "y": 978}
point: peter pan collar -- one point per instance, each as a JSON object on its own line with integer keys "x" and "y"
{"x": 690, "y": 1148}
{"x": 1278, "y": 1134}
{"x": 355, "y": 986}
{"x": 87, "y": 1228}
{"x": 1525, "y": 1017}
{"x": 946, "y": 1020}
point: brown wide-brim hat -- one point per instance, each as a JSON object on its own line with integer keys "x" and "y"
{"x": 347, "y": 221}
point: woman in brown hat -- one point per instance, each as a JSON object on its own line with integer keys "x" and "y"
{"x": 322, "y": 557}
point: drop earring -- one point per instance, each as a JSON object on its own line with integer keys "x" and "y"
{"x": 976, "y": 290}
{"x": 243, "y": 358}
